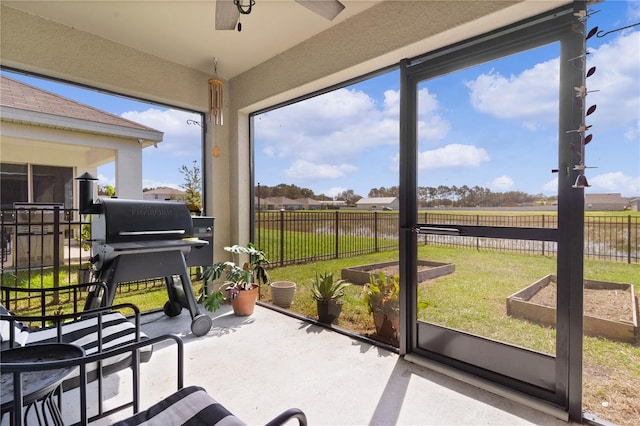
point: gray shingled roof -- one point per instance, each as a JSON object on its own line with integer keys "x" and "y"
{"x": 18, "y": 95}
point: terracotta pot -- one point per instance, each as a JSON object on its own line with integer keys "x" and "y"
{"x": 386, "y": 326}
{"x": 245, "y": 302}
{"x": 282, "y": 293}
{"x": 328, "y": 310}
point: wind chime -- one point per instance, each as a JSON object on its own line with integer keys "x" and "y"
{"x": 216, "y": 103}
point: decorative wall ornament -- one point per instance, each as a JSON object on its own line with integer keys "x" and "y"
{"x": 581, "y": 93}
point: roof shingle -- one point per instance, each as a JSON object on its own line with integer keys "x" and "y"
{"x": 19, "y": 95}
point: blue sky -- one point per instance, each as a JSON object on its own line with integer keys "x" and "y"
{"x": 494, "y": 125}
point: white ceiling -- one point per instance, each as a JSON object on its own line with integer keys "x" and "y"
{"x": 182, "y": 31}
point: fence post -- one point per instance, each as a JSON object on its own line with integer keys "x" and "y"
{"x": 56, "y": 252}
{"x": 543, "y": 240}
{"x": 337, "y": 220}
{"x": 375, "y": 231}
{"x": 281, "y": 237}
{"x": 477, "y": 239}
{"x": 629, "y": 239}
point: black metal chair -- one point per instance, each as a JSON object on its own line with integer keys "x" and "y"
{"x": 96, "y": 331}
{"x": 20, "y": 404}
{"x": 194, "y": 406}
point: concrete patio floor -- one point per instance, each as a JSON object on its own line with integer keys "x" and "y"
{"x": 260, "y": 365}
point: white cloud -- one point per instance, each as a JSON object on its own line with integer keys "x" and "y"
{"x": 453, "y": 155}
{"x": 531, "y": 96}
{"x": 616, "y": 79}
{"x": 104, "y": 180}
{"x": 180, "y": 139}
{"x": 633, "y": 132}
{"x": 332, "y": 192}
{"x": 551, "y": 187}
{"x": 615, "y": 182}
{"x": 633, "y": 10}
{"x": 150, "y": 183}
{"x": 341, "y": 125}
{"x": 305, "y": 170}
{"x": 432, "y": 127}
{"x": 502, "y": 183}
{"x": 268, "y": 151}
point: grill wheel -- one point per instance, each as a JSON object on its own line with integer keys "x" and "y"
{"x": 172, "y": 309}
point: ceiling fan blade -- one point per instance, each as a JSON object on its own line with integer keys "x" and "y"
{"x": 227, "y": 15}
{"x": 326, "y": 8}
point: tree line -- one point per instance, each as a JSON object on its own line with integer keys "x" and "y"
{"x": 428, "y": 196}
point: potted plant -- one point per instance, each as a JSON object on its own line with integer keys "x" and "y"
{"x": 382, "y": 297}
{"x": 282, "y": 293}
{"x": 328, "y": 293}
{"x": 241, "y": 283}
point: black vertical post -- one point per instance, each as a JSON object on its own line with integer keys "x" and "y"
{"x": 375, "y": 230}
{"x": 570, "y": 221}
{"x": 543, "y": 241}
{"x": 56, "y": 252}
{"x": 337, "y": 239}
{"x": 408, "y": 215}
{"x": 629, "y": 239}
{"x": 257, "y": 223}
{"x": 477, "y": 238}
{"x": 282, "y": 233}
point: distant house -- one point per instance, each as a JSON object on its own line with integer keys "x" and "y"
{"x": 378, "y": 203}
{"x": 610, "y": 202}
{"x": 280, "y": 203}
{"x": 309, "y": 203}
{"x": 635, "y": 205}
{"x": 332, "y": 204}
{"x": 163, "y": 193}
{"x": 47, "y": 140}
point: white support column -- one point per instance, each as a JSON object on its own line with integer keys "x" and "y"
{"x": 129, "y": 171}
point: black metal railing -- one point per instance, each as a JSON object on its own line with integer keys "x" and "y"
{"x": 46, "y": 247}
{"x": 291, "y": 237}
{"x": 43, "y": 246}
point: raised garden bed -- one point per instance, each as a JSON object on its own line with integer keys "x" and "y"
{"x": 610, "y": 308}
{"x": 426, "y": 270}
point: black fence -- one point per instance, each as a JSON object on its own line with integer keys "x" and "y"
{"x": 291, "y": 237}
{"x": 43, "y": 246}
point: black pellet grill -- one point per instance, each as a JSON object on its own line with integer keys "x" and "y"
{"x": 134, "y": 240}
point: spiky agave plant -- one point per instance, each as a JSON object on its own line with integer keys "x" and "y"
{"x": 324, "y": 287}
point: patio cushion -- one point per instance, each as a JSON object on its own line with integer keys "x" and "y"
{"x": 190, "y": 406}
{"x": 116, "y": 331}
{"x": 21, "y": 331}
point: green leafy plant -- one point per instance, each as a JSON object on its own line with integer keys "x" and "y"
{"x": 324, "y": 287}
{"x": 237, "y": 278}
{"x": 382, "y": 294}
{"x": 85, "y": 234}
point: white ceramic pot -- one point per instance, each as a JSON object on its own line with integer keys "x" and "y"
{"x": 282, "y": 293}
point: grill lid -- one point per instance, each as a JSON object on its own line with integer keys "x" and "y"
{"x": 122, "y": 221}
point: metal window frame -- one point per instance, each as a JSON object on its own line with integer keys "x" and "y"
{"x": 556, "y": 380}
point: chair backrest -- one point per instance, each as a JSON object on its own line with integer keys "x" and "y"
{"x": 12, "y": 332}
